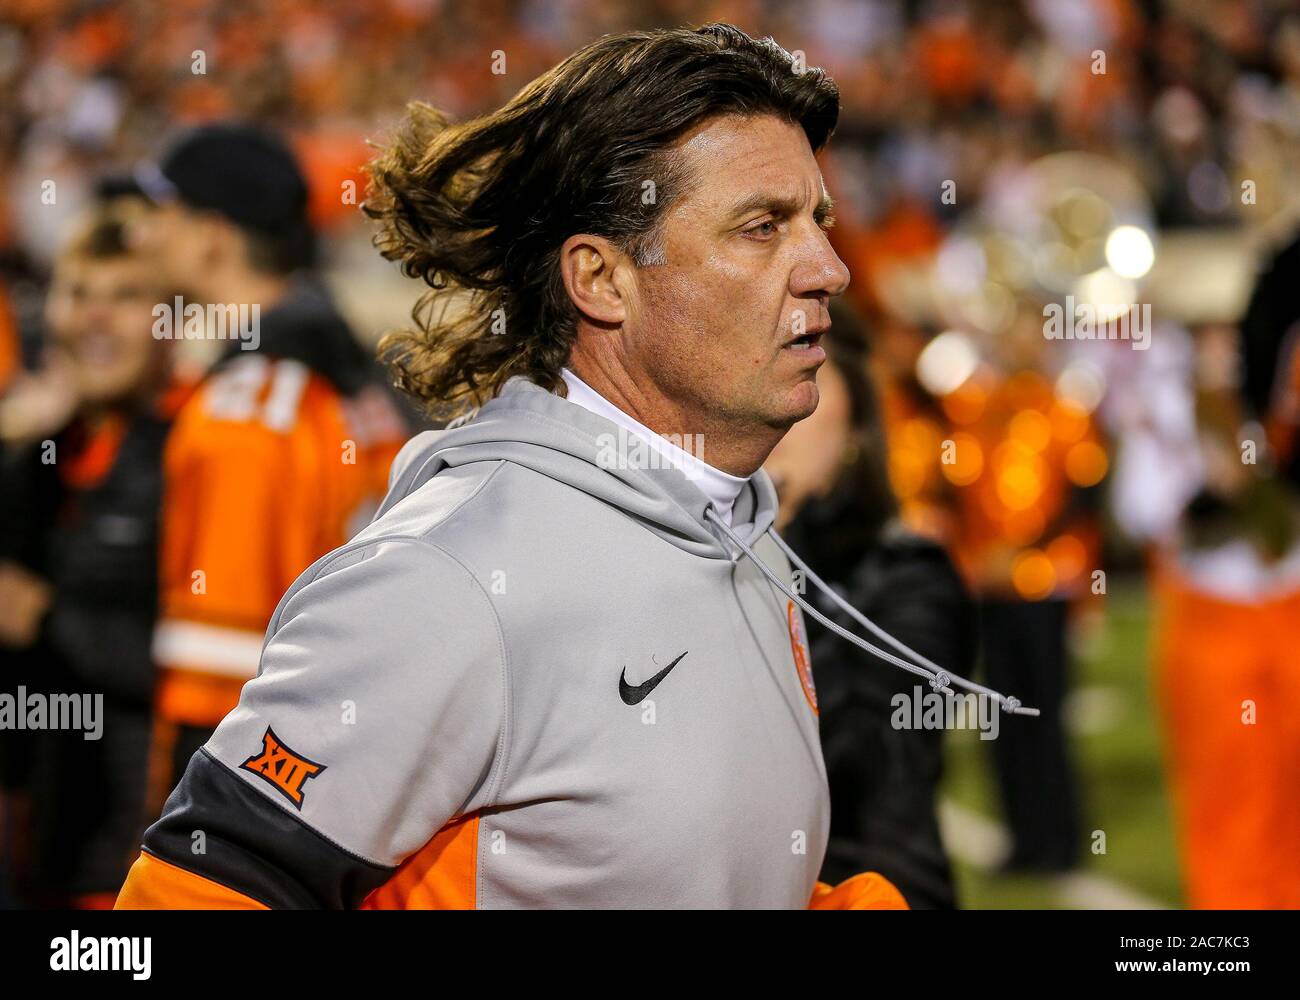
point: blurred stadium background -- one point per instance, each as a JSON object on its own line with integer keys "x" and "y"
{"x": 986, "y": 156}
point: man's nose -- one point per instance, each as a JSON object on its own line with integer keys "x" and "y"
{"x": 95, "y": 311}
{"x": 145, "y": 234}
{"x": 820, "y": 271}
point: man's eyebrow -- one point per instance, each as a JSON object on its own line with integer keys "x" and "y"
{"x": 782, "y": 205}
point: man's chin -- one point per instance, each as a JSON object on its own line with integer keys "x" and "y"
{"x": 800, "y": 402}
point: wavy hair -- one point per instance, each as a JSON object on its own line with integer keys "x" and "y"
{"x": 479, "y": 210}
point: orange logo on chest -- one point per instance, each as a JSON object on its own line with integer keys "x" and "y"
{"x": 284, "y": 769}
{"x": 802, "y": 658}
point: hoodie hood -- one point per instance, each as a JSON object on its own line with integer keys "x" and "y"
{"x": 538, "y": 430}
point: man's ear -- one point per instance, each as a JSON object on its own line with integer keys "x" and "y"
{"x": 595, "y": 277}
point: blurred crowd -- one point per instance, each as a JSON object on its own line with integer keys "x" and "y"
{"x": 992, "y": 159}
{"x": 1191, "y": 97}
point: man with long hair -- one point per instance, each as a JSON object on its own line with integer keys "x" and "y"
{"x": 564, "y": 666}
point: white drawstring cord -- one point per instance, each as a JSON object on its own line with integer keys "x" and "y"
{"x": 940, "y": 679}
{"x": 884, "y": 636}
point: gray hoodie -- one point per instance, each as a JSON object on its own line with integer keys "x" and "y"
{"x": 537, "y": 679}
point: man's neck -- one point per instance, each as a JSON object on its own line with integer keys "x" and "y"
{"x": 724, "y": 447}
{"x": 141, "y": 399}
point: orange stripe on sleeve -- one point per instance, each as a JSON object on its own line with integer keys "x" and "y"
{"x": 154, "y": 884}
{"x": 439, "y": 876}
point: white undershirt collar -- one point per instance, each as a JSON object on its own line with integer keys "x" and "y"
{"x": 720, "y": 487}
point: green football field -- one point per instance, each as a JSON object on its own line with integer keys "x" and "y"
{"x": 1115, "y": 740}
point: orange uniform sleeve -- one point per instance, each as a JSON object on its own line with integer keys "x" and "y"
{"x": 864, "y": 891}
{"x": 154, "y": 884}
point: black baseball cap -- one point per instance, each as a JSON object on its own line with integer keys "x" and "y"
{"x": 247, "y": 175}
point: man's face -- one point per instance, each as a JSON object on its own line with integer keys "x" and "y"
{"x": 179, "y": 239}
{"x": 748, "y": 270}
{"x": 100, "y": 312}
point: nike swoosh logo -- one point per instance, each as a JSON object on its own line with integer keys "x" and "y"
{"x": 635, "y": 695}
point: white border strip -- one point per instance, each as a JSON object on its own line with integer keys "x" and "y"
{"x": 232, "y": 652}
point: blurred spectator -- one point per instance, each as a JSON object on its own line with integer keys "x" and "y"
{"x": 283, "y": 451}
{"x": 1270, "y": 357}
{"x": 1195, "y": 97}
{"x": 1227, "y": 581}
{"x": 78, "y": 569}
{"x": 1023, "y": 462}
{"x": 836, "y": 508}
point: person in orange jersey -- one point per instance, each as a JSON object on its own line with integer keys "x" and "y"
{"x": 283, "y": 451}
{"x": 78, "y": 563}
{"x": 1226, "y": 582}
{"x": 1199, "y": 486}
{"x": 1229, "y": 689}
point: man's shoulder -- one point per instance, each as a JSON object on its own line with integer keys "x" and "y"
{"x": 458, "y": 526}
{"x": 401, "y": 552}
{"x": 476, "y": 512}
{"x": 463, "y": 503}
{"x": 430, "y": 510}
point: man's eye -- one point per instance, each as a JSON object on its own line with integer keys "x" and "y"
{"x": 762, "y": 230}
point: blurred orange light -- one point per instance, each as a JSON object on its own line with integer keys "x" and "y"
{"x": 1068, "y": 555}
{"x": 966, "y": 404}
{"x": 1033, "y": 575}
{"x": 1021, "y": 527}
{"x": 1019, "y": 486}
{"x": 1086, "y": 463}
{"x": 1069, "y": 421}
{"x": 968, "y": 460}
{"x": 1032, "y": 429}
{"x": 907, "y": 475}
{"x": 916, "y": 434}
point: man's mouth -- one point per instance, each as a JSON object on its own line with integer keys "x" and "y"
{"x": 807, "y": 340}
{"x": 809, "y": 343}
{"x": 97, "y": 350}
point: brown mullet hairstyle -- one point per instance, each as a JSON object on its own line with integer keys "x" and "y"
{"x": 480, "y": 210}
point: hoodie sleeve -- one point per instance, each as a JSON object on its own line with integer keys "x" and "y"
{"x": 376, "y": 722}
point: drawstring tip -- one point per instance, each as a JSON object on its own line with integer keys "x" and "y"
{"x": 939, "y": 679}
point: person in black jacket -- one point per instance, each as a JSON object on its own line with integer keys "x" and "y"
{"x": 79, "y": 551}
{"x": 1269, "y": 347}
{"x": 837, "y": 509}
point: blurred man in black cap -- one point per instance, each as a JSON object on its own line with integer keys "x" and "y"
{"x": 284, "y": 450}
